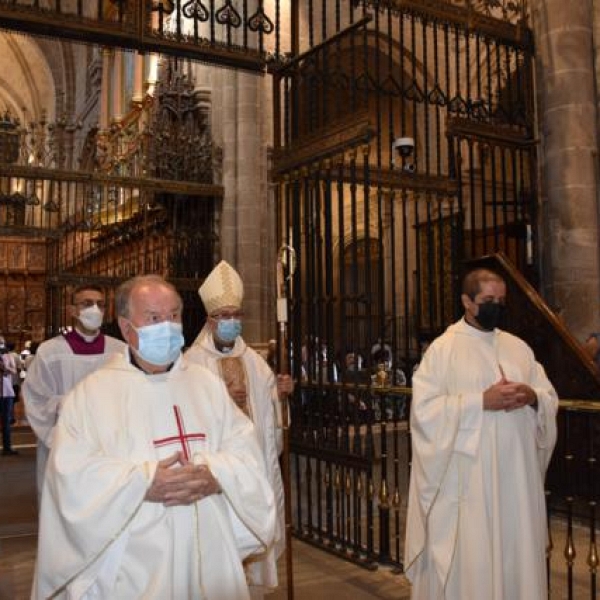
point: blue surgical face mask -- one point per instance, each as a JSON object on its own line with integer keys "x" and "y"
{"x": 228, "y": 329}
{"x": 160, "y": 343}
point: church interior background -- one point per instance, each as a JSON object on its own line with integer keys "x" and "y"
{"x": 368, "y": 149}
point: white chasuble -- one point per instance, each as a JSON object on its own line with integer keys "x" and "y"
{"x": 249, "y": 369}
{"x": 115, "y": 426}
{"x": 476, "y": 522}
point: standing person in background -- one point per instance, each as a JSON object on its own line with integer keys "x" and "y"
{"x": 26, "y": 350}
{"x": 16, "y": 376}
{"x": 63, "y": 361}
{"x": 483, "y": 425}
{"x": 253, "y": 387}
{"x": 155, "y": 487}
{"x": 7, "y": 398}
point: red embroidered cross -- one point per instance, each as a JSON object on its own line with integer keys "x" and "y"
{"x": 182, "y": 437}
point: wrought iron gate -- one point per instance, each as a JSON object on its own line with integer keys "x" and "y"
{"x": 404, "y": 146}
{"x": 146, "y": 200}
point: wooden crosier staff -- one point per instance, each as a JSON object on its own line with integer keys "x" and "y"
{"x": 285, "y": 258}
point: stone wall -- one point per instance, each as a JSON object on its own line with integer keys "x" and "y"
{"x": 567, "y": 101}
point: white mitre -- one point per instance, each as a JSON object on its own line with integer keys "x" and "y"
{"x": 223, "y": 287}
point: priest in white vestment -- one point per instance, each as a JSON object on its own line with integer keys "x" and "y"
{"x": 155, "y": 486}
{"x": 251, "y": 384}
{"x": 483, "y": 424}
{"x": 63, "y": 361}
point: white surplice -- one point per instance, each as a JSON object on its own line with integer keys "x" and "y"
{"x": 265, "y": 410}
{"x": 476, "y": 522}
{"x": 98, "y": 538}
{"x": 54, "y": 370}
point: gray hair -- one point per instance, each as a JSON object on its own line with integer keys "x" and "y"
{"x": 124, "y": 291}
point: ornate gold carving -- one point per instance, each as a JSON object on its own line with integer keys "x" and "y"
{"x": 233, "y": 375}
{"x": 36, "y": 257}
{"x": 16, "y": 255}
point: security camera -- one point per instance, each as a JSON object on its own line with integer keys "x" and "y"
{"x": 404, "y": 146}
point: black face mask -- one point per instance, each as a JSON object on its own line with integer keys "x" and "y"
{"x": 491, "y": 315}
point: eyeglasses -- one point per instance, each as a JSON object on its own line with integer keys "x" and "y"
{"x": 89, "y": 303}
{"x": 238, "y": 314}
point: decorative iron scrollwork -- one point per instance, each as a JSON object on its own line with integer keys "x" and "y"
{"x": 227, "y": 15}
{"x": 477, "y": 109}
{"x": 259, "y": 21}
{"x": 458, "y": 105}
{"x": 414, "y": 92}
{"x": 391, "y": 86}
{"x": 437, "y": 96}
{"x": 195, "y": 9}
{"x": 511, "y": 11}
{"x": 51, "y": 206}
{"x": 508, "y": 10}
{"x": 180, "y": 142}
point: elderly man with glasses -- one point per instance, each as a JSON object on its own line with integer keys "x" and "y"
{"x": 63, "y": 361}
{"x": 253, "y": 387}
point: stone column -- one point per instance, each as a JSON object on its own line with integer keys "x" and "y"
{"x": 251, "y": 199}
{"x": 152, "y": 74}
{"x": 225, "y": 114}
{"x": 105, "y": 89}
{"x": 568, "y": 159}
{"x": 118, "y": 87}
{"x": 139, "y": 62}
{"x": 242, "y": 127}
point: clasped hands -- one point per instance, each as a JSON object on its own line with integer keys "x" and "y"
{"x": 177, "y": 482}
{"x": 508, "y": 395}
